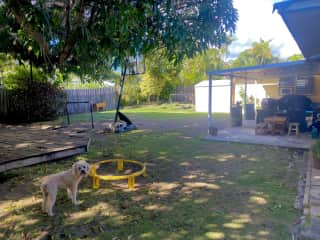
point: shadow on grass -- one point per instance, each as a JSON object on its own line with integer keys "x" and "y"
{"x": 194, "y": 190}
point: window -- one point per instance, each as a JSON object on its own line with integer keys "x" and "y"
{"x": 286, "y": 82}
{"x": 286, "y": 91}
{"x": 302, "y": 85}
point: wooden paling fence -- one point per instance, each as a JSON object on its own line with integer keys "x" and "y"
{"x": 183, "y": 94}
{"x": 97, "y": 95}
{"x": 92, "y": 96}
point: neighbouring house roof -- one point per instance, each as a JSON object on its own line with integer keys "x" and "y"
{"x": 271, "y": 71}
{"x": 302, "y": 20}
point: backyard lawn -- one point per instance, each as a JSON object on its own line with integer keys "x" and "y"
{"x": 195, "y": 189}
{"x": 150, "y": 112}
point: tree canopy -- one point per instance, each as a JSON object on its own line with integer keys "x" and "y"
{"x": 195, "y": 69}
{"x": 87, "y": 35}
{"x": 295, "y": 57}
{"x": 161, "y": 74}
{"x": 259, "y": 53}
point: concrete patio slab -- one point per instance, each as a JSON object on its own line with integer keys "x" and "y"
{"x": 247, "y": 135}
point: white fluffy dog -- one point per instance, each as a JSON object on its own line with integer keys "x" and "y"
{"x": 68, "y": 179}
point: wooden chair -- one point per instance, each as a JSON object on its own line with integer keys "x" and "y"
{"x": 294, "y": 128}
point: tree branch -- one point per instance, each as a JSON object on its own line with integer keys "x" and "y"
{"x": 71, "y": 40}
{"x": 36, "y": 36}
{"x": 68, "y": 19}
{"x": 93, "y": 12}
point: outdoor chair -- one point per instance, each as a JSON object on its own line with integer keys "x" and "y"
{"x": 294, "y": 128}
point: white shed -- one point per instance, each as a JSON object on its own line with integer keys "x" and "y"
{"x": 220, "y": 96}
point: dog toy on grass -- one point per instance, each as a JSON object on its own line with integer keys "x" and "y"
{"x": 120, "y": 163}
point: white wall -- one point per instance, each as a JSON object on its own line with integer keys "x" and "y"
{"x": 220, "y": 96}
{"x": 254, "y": 90}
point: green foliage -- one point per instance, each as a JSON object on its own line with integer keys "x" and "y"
{"x": 194, "y": 69}
{"x": 259, "y": 53}
{"x": 151, "y": 86}
{"x": 90, "y": 36}
{"x": 35, "y": 101}
{"x": 132, "y": 92}
{"x": 79, "y": 85}
{"x": 160, "y": 71}
{"x": 316, "y": 149}
{"x": 74, "y": 81}
{"x": 166, "y": 90}
{"x": 163, "y": 76}
{"x": 31, "y": 101}
{"x": 245, "y": 58}
{"x": 295, "y": 57}
{"x": 20, "y": 75}
{"x": 7, "y": 65}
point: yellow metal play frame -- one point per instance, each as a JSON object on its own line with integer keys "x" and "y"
{"x": 120, "y": 162}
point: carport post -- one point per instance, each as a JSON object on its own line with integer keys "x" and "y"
{"x": 255, "y": 94}
{"x": 231, "y": 93}
{"x": 210, "y": 103}
{"x": 245, "y": 98}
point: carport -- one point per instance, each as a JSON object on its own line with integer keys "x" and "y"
{"x": 297, "y": 14}
{"x": 265, "y": 74}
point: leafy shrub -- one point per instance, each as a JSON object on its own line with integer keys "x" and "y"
{"x": 86, "y": 85}
{"x": 167, "y": 89}
{"x": 31, "y": 101}
{"x": 21, "y": 76}
{"x": 316, "y": 149}
{"x": 131, "y": 91}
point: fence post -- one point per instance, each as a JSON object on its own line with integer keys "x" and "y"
{"x": 91, "y": 115}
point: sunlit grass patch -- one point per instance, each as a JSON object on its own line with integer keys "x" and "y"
{"x": 194, "y": 190}
{"x": 150, "y": 112}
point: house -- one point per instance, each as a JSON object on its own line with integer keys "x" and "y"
{"x": 287, "y": 78}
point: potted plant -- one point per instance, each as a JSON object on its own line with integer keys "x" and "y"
{"x": 236, "y": 115}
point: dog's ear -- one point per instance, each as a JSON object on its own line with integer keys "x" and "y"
{"x": 74, "y": 169}
{"x": 87, "y": 167}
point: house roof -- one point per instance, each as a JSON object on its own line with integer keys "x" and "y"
{"x": 302, "y": 20}
{"x": 271, "y": 71}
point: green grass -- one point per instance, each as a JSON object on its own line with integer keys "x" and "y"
{"x": 148, "y": 112}
{"x": 194, "y": 190}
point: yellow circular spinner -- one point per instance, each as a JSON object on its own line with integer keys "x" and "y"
{"x": 120, "y": 162}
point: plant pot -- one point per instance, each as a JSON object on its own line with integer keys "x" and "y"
{"x": 213, "y": 131}
{"x": 236, "y": 116}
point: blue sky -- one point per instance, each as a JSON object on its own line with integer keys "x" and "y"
{"x": 256, "y": 21}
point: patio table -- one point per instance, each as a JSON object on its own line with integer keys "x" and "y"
{"x": 276, "y": 124}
